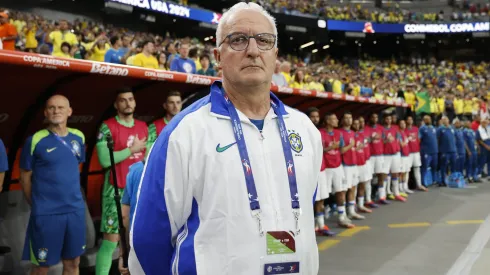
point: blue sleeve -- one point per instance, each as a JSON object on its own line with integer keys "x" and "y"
{"x": 4, "y": 164}
{"x": 126, "y": 199}
{"x": 174, "y": 66}
{"x": 478, "y": 137}
{"x": 26, "y": 158}
{"x": 399, "y": 136}
{"x": 108, "y": 56}
{"x": 438, "y": 133}
{"x": 341, "y": 144}
{"x": 421, "y": 135}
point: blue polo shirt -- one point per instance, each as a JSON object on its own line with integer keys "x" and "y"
{"x": 131, "y": 190}
{"x": 55, "y": 171}
{"x": 183, "y": 65}
{"x": 447, "y": 139}
{"x": 4, "y": 164}
{"x": 114, "y": 56}
{"x": 470, "y": 139}
{"x": 460, "y": 148}
{"x": 428, "y": 139}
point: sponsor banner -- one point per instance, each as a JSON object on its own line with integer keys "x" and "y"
{"x": 195, "y": 79}
{"x": 43, "y": 61}
{"x": 173, "y": 9}
{"x": 368, "y": 27}
{"x": 99, "y": 68}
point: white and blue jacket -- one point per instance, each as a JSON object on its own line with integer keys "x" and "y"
{"x": 193, "y": 214}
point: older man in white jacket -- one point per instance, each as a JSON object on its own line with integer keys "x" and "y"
{"x": 229, "y": 185}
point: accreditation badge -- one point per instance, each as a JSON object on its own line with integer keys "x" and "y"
{"x": 281, "y": 249}
{"x": 280, "y": 242}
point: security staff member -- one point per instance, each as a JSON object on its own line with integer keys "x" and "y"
{"x": 50, "y": 180}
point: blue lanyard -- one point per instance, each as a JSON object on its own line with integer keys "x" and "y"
{"x": 247, "y": 169}
{"x": 75, "y": 153}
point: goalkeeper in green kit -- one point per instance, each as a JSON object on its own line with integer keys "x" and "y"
{"x": 130, "y": 140}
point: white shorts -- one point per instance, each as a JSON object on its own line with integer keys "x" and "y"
{"x": 415, "y": 160}
{"x": 392, "y": 164}
{"x": 322, "y": 191}
{"x": 335, "y": 179}
{"x": 406, "y": 164}
{"x": 351, "y": 176}
{"x": 364, "y": 171}
{"x": 369, "y": 169}
{"x": 377, "y": 164}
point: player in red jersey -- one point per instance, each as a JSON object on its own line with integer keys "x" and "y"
{"x": 129, "y": 137}
{"x": 377, "y": 157}
{"x": 334, "y": 143}
{"x": 366, "y": 131}
{"x": 349, "y": 161}
{"x": 172, "y": 106}
{"x": 362, "y": 167}
{"x": 330, "y": 169}
{"x": 392, "y": 159}
{"x": 405, "y": 159}
{"x": 415, "y": 160}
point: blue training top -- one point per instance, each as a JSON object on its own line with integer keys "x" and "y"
{"x": 55, "y": 171}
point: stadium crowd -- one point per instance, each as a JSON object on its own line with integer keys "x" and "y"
{"x": 366, "y": 160}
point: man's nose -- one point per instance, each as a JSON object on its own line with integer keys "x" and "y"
{"x": 253, "y": 48}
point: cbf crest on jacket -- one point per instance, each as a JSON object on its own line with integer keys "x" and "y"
{"x": 193, "y": 214}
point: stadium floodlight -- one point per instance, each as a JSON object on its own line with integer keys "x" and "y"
{"x": 314, "y": 51}
{"x": 326, "y": 47}
{"x": 307, "y": 44}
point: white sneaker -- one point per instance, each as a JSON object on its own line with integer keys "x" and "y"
{"x": 355, "y": 216}
{"x": 345, "y": 222}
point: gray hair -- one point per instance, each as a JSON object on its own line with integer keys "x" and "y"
{"x": 234, "y": 10}
{"x": 456, "y": 120}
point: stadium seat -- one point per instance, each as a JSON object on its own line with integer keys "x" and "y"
{"x": 13, "y": 232}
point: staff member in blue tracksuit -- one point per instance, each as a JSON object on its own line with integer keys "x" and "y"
{"x": 460, "y": 145}
{"x": 447, "y": 149}
{"x": 471, "y": 152}
{"x": 428, "y": 149}
{"x": 483, "y": 138}
{"x": 50, "y": 180}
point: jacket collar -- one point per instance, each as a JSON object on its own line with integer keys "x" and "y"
{"x": 218, "y": 103}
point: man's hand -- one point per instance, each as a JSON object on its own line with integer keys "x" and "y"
{"x": 138, "y": 145}
{"x": 360, "y": 146}
{"x": 336, "y": 144}
{"x": 352, "y": 142}
{"x": 390, "y": 138}
{"x": 122, "y": 270}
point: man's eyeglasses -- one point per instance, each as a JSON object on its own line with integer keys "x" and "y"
{"x": 240, "y": 41}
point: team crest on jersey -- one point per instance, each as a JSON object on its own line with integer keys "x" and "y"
{"x": 76, "y": 147}
{"x": 295, "y": 141}
{"x": 110, "y": 222}
{"x": 42, "y": 255}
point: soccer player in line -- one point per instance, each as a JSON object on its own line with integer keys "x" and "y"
{"x": 351, "y": 173}
{"x": 377, "y": 158}
{"x": 362, "y": 167}
{"x": 4, "y": 165}
{"x": 392, "y": 159}
{"x": 129, "y": 137}
{"x": 333, "y": 174}
{"x": 172, "y": 106}
{"x": 50, "y": 180}
{"x": 369, "y": 162}
{"x": 460, "y": 145}
{"x": 471, "y": 152}
{"x": 405, "y": 159}
{"x": 447, "y": 149}
{"x": 428, "y": 150}
{"x": 415, "y": 160}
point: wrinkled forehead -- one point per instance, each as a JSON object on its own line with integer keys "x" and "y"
{"x": 248, "y": 21}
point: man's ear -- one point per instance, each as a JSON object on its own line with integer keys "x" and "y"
{"x": 217, "y": 57}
